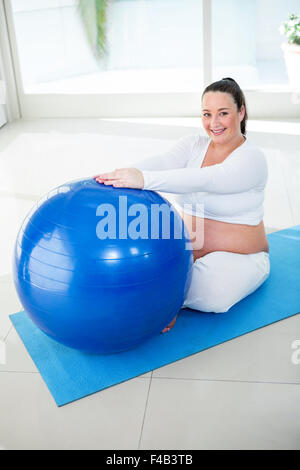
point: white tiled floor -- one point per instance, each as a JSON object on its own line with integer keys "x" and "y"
{"x": 243, "y": 394}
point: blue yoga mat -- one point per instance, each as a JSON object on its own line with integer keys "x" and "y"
{"x": 71, "y": 375}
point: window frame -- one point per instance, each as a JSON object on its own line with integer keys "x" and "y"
{"x": 262, "y": 104}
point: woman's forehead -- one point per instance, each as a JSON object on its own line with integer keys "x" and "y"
{"x": 217, "y": 99}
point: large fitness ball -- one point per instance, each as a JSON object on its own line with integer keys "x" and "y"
{"x": 98, "y": 269}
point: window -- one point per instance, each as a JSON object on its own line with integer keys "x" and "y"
{"x": 152, "y": 46}
{"x": 247, "y": 42}
{"x": 159, "y": 56}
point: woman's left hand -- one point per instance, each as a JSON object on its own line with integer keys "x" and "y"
{"x": 122, "y": 178}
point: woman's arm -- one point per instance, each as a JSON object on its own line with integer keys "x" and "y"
{"x": 132, "y": 176}
{"x": 242, "y": 172}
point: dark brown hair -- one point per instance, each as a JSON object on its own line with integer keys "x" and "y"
{"x": 228, "y": 85}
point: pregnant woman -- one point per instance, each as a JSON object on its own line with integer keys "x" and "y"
{"x": 224, "y": 174}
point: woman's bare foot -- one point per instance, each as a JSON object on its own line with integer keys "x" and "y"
{"x": 165, "y": 330}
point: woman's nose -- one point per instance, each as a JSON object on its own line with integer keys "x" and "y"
{"x": 214, "y": 121}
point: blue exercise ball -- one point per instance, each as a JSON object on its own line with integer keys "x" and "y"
{"x": 98, "y": 269}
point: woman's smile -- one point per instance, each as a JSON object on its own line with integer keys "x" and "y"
{"x": 217, "y": 132}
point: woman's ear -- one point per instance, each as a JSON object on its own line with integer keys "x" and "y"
{"x": 242, "y": 113}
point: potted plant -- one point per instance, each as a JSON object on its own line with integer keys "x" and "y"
{"x": 291, "y": 30}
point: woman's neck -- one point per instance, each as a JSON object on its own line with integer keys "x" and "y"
{"x": 229, "y": 146}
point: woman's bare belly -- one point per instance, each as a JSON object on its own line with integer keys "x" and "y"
{"x": 211, "y": 235}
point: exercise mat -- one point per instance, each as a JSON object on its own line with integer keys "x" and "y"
{"x": 71, "y": 375}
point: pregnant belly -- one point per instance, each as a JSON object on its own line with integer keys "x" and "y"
{"x": 211, "y": 235}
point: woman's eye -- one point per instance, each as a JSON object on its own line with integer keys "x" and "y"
{"x": 223, "y": 113}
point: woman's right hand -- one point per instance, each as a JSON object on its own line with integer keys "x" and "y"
{"x": 122, "y": 178}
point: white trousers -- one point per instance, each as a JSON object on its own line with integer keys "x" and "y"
{"x": 221, "y": 279}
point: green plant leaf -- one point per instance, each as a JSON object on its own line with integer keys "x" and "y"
{"x": 94, "y": 17}
{"x": 291, "y": 29}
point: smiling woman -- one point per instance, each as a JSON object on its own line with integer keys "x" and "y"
{"x": 224, "y": 117}
{"x": 226, "y": 174}
{"x": 235, "y": 94}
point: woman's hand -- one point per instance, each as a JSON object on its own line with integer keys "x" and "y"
{"x": 122, "y": 178}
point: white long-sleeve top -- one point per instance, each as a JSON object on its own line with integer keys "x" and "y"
{"x": 231, "y": 191}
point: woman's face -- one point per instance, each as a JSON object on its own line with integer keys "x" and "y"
{"x": 220, "y": 117}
